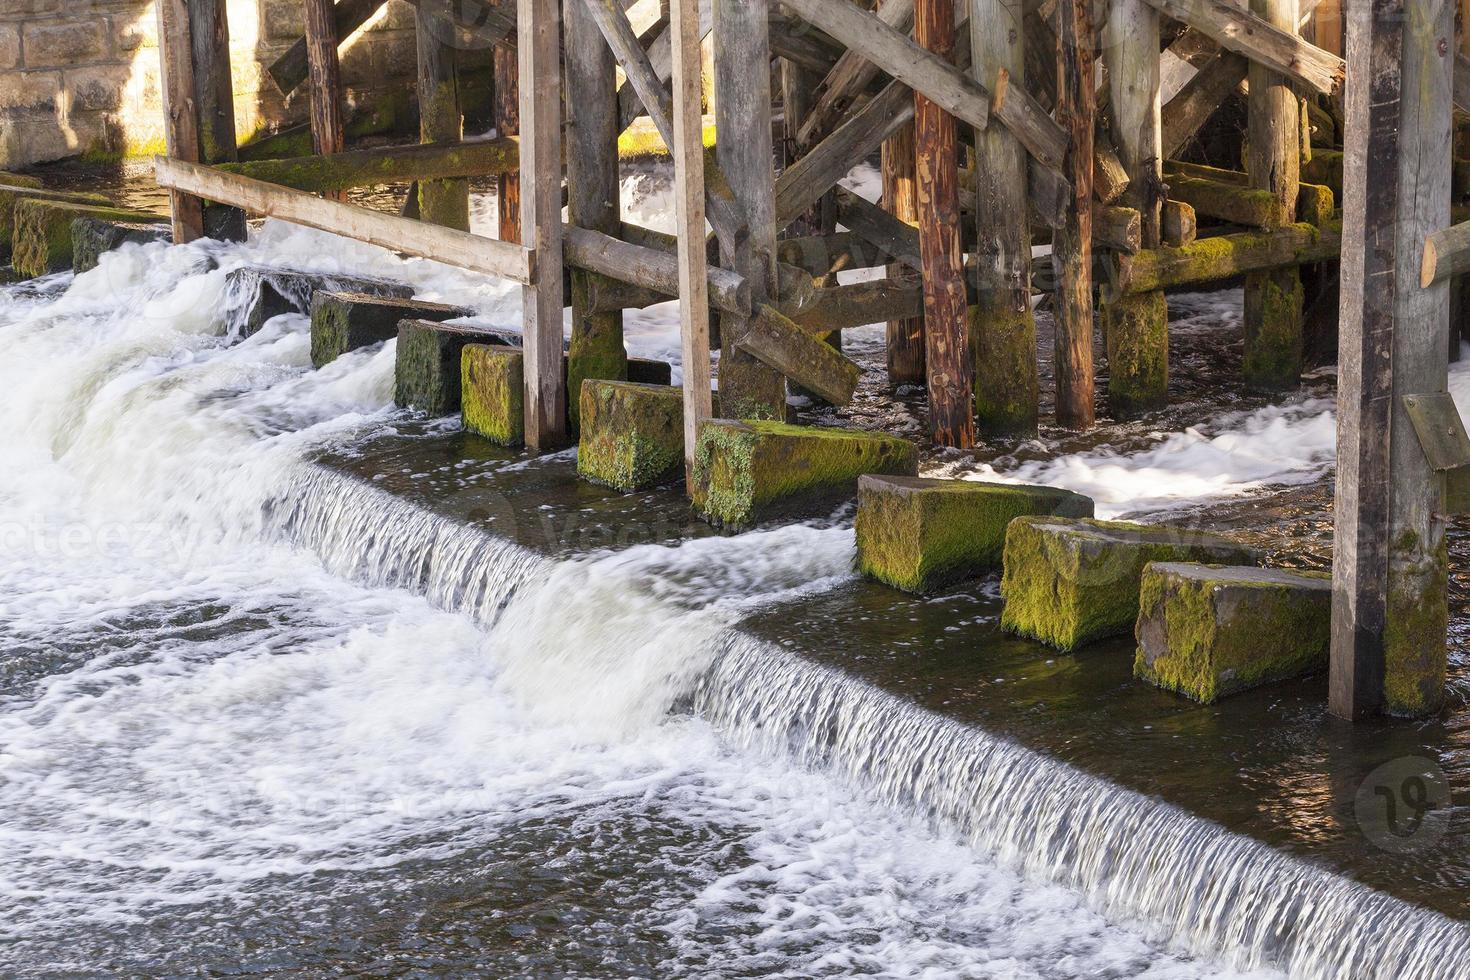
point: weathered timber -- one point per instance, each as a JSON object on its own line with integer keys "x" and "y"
{"x": 689, "y": 157}
{"x": 797, "y": 44}
{"x": 1235, "y": 29}
{"x": 948, "y": 367}
{"x": 441, "y": 202}
{"x": 905, "y": 334}
{"x": 457, "y": 248}
{"x": 1072, "y": 243}
{"x": 824, "y": 255}
{"x": 1389, "y": 609}
{"x": 181, "y": 126}
{"x": 1446, "y": 255}
{"x": 293, "y": 67}
{"x": 389, "y": 164}
{"x": 1180, "y": 224}
{"x": 506, "y": 111}
{"x": 1252, "y": 207}
{"x": 651, "y": 268}
{"x": 1117, "y": 228}
{"x": 784, "y": 346}
{"x": 1315, "y": 204}
{"x": 328, "y": 133}
{"x": 1109, "y": 176}
{"x": 214, "y": 105}
{"x": 849, "y": 78}
{"x": 593, "y": 196}
{"x": 1197, "y": 101}
{"x": 748, "y": 388}
{"x": 1227, "y": 256}
{"x": 858, "y": 304}
{"x": 1002, "y": 325}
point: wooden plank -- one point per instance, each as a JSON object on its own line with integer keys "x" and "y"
{"x": 446, "y": 245}
{"x": 1446, "y": 255}
{"x": 1389, "y": 572}
{"x": 868, "y": 221}
{"x": 386, "y": 165}
{"x": 1131, "y": 40}
{"x": 292, "y": 68}
{"x": 1197, "y": 101}
{"x": 849, "y": 78}
{"x": 593, "y": 196}
{"x": 905, "y": 334}
{"x": 1072, "y": 243}
{"x": 1109, "y": 176}
{"x": 688, "y": 150}
{"x": 506, "y": 110}
{"x": 748, "y": 388}
{"x": 442, "y": 202}
{"x": 539, "y": 24}
{"x": 948, "y": 367}
{"x": 1247, "y": 206}
{"x": 652, "y": 268}
{"x": 181, "y": 129}
{"x": 1225, "y": 257}
{"x": 1235, "y": 29}
{"x": 785, "y": 347}
{"x": 1462, "y": 82}
{"x": 858, "y": 304}
{"x": 328, "y": 132}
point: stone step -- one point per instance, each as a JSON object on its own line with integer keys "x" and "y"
{"x": 428, "y": 374}
{"x": 919, "y": 534}
{"x": 1069, "y": 581}
{"x": 11, "y": 192}
{"x": 346, "y": 321}
{"x": 262, "y": 292}
{"x": 91, "y": 237}
{"x": 42, "y": 241}
{"x": 1208, "y": 631}
{"x": 746, "y": 472}
{"x": 632, "y": 435}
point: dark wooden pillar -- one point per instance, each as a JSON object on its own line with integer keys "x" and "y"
{"x": 900, "y": 199}
{"x": 327, "y": 132}
{"x": 1072, "y": 243}
{"x": 507, "y": 110}
{"x": 441, "y": 202}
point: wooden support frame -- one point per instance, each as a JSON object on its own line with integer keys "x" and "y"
{"x": 328, "y": 134}
{"x": 1072, "y": 243}
{"x": 456, "y": 248}
{"x": 443, "y": 202}
{"x": 181, "y": 125}
{"x": 292, "y": 68}
{"x": 384, "y": 165}
{"x": 849, "y": 78}
{"x": 905, "y": 334}
{"x": 1244, "y": 33}
{"x": 539, "y": 53}
{"x": 1197, "y": 101}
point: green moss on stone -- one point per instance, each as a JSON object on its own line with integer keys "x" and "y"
{"x": 1068, "y": 582}
{"x": 1274, "y": 301}
{"x": 427, "y": 374}
{"x": 1006, "y": 385}
{"x": 91, "y": 237}
{"x": 11, "y": 193}
{"x": 749, "y": 470}
{"x": 1416, "y": 624}
{"x": 9, "y": 179}
{"x": 346, "y": 321}
{"x": 918, "y": 534}
{"x": 632, "y": 434}
{"x": 1137, "y": 332}
{"x": 43, "y": 242}
{"x": 596, "y": 350}
{"x": 493, "y": 393}
{"x": 1207, "y": 631}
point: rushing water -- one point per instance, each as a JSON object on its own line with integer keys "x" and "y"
{"x": 260, "y": 716}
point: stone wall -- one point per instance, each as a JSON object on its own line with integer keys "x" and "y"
{"x": 81, "y": 77}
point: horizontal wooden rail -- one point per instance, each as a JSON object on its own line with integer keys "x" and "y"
{"x": 1224, "y": 257}
{"x": 386, "y": 165}
{"x": 1446, "y": 254}
{"x": 506, "y": 260}
{"x": 1238, "y": 30}
{"x": 649, "y": 268}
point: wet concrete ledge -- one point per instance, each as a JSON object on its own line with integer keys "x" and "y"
{"x": 1269, "y": 764}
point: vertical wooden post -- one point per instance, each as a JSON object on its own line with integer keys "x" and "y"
{"x": 181, "y": 124}
{"x": 593, "y": 195}
{"x": 1072, "y": 243}
{"x": 946, "y": 317}
{"x": 688, "y": 151}
{"x": 1004, "y": 328}
{"x": 1137, "y": 327}
{"x": 1274, "y": 299}
{"x": 507, "y": 114}
{"x": 1389, "y": 610}
{"x": 539, "y": 51}
{"x": 748, "y": 388}
{"x": 900, "y": 198}
{"x": 325, "y": 83}
{"x": 442, "y": 202}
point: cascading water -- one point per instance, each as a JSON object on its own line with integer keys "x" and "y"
{"x": 256, "y": 713}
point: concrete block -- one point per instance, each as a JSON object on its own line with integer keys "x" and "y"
{"x": 342, "y": 322}
{"x": 90, "y": 237}
{"x": 918, "y": 534}
{"x": 428, "y": 374}
{"x": 254, "y": 294}
{"x": 493, "y": 393}
{"x": 42, "y": 234}
{"x": 632, "y": 435}
{"x": 1069, "y": 581}
{"x": 1209, "y": 631}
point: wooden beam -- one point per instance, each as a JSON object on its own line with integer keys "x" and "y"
{"x": 652, "y": 268}
{"x": 905, "y": 334}
{"x": 895, "y": 238}
{"x": 386, "y": 165}
{"x": 1181, "y": 224}
{"x": 442, "y": 202}
{"x": 456, "y": 248}
{"x": 328, "y": 134}
{"x": 850, "y": 78}
{"x": 1197, "y": 101}
{"x": 1072, "y": 243}
{"x": 181, "y": 126}
{"x": 1389, "y": 609}
{"x": 214, "y": 105}
{"x": 506, "y": 110}
{"x": 1462, "y": 82}
{"x": 1225, "y": 257}
{"x": 1246, "y": 34}
{"x": 292, "y": 68}
{"x": 1251, "y": 207}
{"x": 1446, "y": 255}
{"x": 539, "y": 64}
{"x": 688, "y": 150}
{"x": 802, "y": 357}
{"x": 858, "y": 304}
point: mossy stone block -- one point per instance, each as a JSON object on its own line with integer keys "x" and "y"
{"x": 254, "y": 294}
{"x": 19, "y": 180}
{"x": 42, "y": 242}
{"x": 10, "y": 193}
{"x": 1069, "y": 581}
{"x": 493, "y": 393}
{"x": 1207, "y": 631}
{"x": 748, "y": 471}
{"x": 1137, "y": 331}
{"x": 342, "y": 322}
{"x": 918, "y": 534}
{"x": 649, "y": 372}
{"x": 632, "y": 435}
{"x": 91, "y": 237}
{"x": 428, "y": 374}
